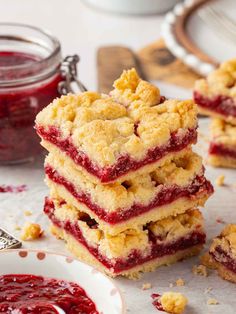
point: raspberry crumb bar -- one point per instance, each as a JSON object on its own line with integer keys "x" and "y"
{"x": 222, "y": 151}
{"x": 115, "y": 137}
{"x": 170, "y": 189}
{"x": 216, "y": 95}
{"x": 132, "y": 251}
{"x": 222, "y": 253}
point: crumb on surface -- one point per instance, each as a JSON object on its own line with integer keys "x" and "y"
{"x": 17, "y": 228}
{"x": 219, "y": 220}
{"x": 31, "y": 231}
{"x": 200, "y": 270}
{"x": 146, "y": 286}
{"x": 220, "y": 180}
{"x": 180, "y": 282}
{"x": 173, "y": 302}
{"x": 27, "y": 213}
{"x": 171, "y": 285}
{"x": 207, "y": 290}
{"x": 212, "y": 301}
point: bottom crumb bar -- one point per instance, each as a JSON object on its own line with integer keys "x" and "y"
{"x": 132, "y": 251}
{"x": 222, "y": 254}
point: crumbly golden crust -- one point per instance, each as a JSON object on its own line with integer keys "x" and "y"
{"x": 177, "y": 207}
{"x": 173, "y": 302}
{"x": 129, "y": 122}
{"x": 141, "y": 189}
{"x": 223, "y": 133}
{"x": 221, "y": 161}
{"x": 123, "y": 243}
{"x": 83, "y": 254}
{"x": 226, "y": 240}
{"x": 222, "y": 81}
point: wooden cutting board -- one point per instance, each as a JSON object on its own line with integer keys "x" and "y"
{"x": 154, "y": 62}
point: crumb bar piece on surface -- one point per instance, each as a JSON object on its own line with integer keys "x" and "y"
{"x": 216, "y": 95}
{"x": 222, "y": 253}
{"x": 110, "y": 137}
{"x": 170, "y": 189}
{"x": 132, "y": 251}
{"x": 222, "y": 150}
{"x": 173, "y": 302}
{"x": 31, "y": 231}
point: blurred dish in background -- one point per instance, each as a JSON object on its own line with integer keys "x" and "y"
{"x": 133, "y": 6}
{"x": 201, "y": 33}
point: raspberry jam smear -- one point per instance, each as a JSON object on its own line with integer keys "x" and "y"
{"x": 19, "y": 105}
{"x": 219, "y": 149}
{"x": 125, "y": 163}
{"x": 30, "y": 294}
{"x": 221, "y": 104}
{"x": 135, "y": 258}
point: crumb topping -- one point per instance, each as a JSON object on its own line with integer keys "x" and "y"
{"x": 212, "y": 301}
{"x": 123, "y": 243}
{"x": 141, "y": 189}
{"x": 200, "y": 270}
{"x": 226, "y": 240}
{"x": 223, "y": 132}
{"x": 31, "y": 231}
{"x": 146, "y": 286}
{"x": 222, "y": 81}
{"x": 180, "y": 282}
{"x": 173, "y": 302}
{"x": 220, "y": 180}
{"x": 27, "y": 213}
{"x": 128, "y": 122}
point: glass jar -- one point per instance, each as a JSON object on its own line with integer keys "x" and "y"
{"x": 30, "y": 74}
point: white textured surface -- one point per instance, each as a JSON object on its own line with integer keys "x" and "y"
{"x": 82, "y": 30}
{"x": 221, "y": 205}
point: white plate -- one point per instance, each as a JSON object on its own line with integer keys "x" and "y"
{"x": 201, "y": 33}
{"x": 98, "y": 287}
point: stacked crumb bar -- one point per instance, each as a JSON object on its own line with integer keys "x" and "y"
{"x": 216, "y": 97}
{"x": 124, "y": 182}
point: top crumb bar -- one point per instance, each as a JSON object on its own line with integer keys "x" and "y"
{"x": 216, "y": 95}
{"x": 111, "y": 136}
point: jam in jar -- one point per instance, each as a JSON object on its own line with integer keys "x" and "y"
{"x": 30, "y": 74}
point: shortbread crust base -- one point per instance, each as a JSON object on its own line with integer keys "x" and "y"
{"x": 83, "y": 254}
{"x": 210, "y": 113}
{"x": 221, "y": 161}
{"x": 179, "y": 206}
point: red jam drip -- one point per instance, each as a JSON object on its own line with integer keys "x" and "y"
{"x": 224, "y": 258}
{"x": 218, "y": 149}
{"x": 125, "y": 163}
{"x": 29, "y": 294}
{"x": 12, "y": 189}
{"x": 135, "y": 258}
{"x": 156, "y": 302}
{"x": 221, "y": 104}
{"x": 166, "y": 195}
{"x": 18, "y": 109}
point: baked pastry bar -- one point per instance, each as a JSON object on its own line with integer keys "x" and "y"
{"x": 170, "y": 189}
{"x": 216, "y": 95}
{"x": 222, "y": 253}
{"x": 116, "y": 137}
{"x": 222, "y": 150}
{"x": 131, "y": 251}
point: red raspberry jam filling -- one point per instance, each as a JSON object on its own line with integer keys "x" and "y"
{"x": 221, "y": 104}
{"x": 224, "y": 258}
{"x": 19, "y": 107}
{"x": 219, "y": 149}
{"x": 29, "y": 294}
{"x": 125, "y": 163}
{"x": 198, "y": 188}
{"x": 135, "y": 257}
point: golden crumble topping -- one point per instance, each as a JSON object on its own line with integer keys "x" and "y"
{"x": 121, "y": 244}
{"x": 128, "y": 122}
{"x": 173, "y": 302}
{"x": 226, "y": 240}
{"x": 222, "y": 81}
{"x": 141, "y": 189}
{"x": 223, "y": 132}
{"x": 31, "y": 231}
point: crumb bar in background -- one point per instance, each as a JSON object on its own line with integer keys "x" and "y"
{"x": 222, "y": 254}
{"x": 222, "y": 150}
{"x": 216, "y": 95}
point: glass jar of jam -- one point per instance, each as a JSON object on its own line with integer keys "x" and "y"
{"x": 30, "y": 74}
